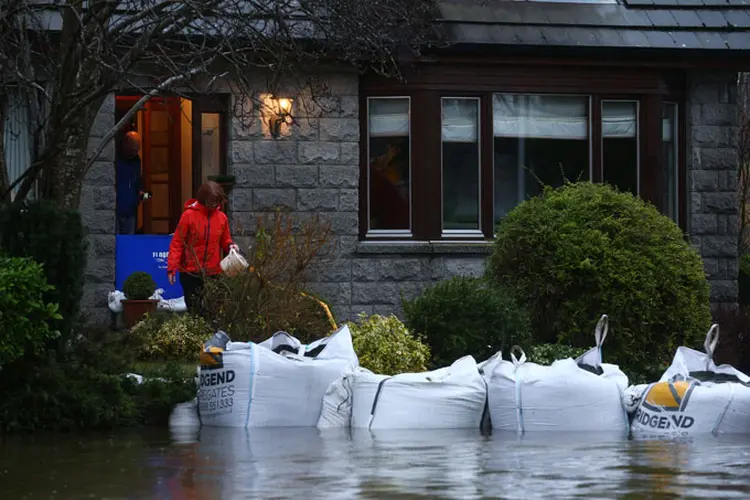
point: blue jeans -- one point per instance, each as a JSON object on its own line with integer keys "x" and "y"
{"x": 126, "y": 224}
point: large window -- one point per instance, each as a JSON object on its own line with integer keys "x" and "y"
{"x": 461, "y": 165}
{"x": 669, "y": 160}
{"x": 389, "y": 166}
{"x": 620, "y": 157}
{"x": 446, "y": 156}
{"x": 538, "y": 140}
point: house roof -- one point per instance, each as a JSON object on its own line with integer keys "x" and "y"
{"x": 719, "y": 26}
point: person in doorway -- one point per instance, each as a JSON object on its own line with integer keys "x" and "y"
{"x": 128, "y": 180}
{"x": 197, "y": 244}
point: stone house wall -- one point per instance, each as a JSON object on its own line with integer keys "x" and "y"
{"x": 713, "y": 205}
{"x": 315, "y": 169}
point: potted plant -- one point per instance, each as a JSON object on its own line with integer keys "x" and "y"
{"x": 138, "y": 289}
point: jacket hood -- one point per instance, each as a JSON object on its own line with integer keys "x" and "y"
{"x": 193, "y": 204}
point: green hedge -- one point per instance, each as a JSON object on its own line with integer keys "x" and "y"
{"x": 463, "y": 316}
{"x": 55, "y": 238}
{"x": 25, "y": 316}
{"x": 744, "y": 280}
{"x": 583, "y": 250}
{"x": 384, "y": 346}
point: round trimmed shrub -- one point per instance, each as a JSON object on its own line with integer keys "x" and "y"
{"x": 463, "y": 316}
{"x": 384, "y": 346}
{"x": 583, "y": 250}
{"x": 139, "y": 286}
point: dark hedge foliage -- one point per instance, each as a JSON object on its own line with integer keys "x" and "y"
{"x": 583, "y": 250}
{"x": 55, "y": 238}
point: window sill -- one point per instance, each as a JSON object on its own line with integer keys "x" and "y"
{"x": 425, "y": 247}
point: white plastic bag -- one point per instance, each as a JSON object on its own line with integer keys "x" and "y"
{"x": 693, "y": 396}
{"x": 233, "y": 263}
{"x": 569, "y": 395}
{"x": 453, "y": 397}
{"x": 114, "y": 301}
{"x": 173, "y": 305}
{"x": 250, "y": 385}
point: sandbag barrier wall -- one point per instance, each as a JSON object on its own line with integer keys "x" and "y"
{"x": 283, "y": 383}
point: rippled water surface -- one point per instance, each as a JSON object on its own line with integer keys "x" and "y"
{"x": 304, "y": 463}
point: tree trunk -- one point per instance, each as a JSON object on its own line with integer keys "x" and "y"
{"x": 4, "y": 179}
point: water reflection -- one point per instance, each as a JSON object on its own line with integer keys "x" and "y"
{"x": 214, "y": 463}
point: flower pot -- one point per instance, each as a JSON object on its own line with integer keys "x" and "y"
{"x": 134, "y": 310}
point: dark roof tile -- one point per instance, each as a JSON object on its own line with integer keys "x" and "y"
{"x": 660, "y": 39}
{"x": 687, "y": 19}
{"x": 679, "y": 24}
{"x": 710, "y": 40}
{"x": 712, "y": 19}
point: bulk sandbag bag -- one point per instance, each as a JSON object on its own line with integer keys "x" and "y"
{"x": 453, "y": 397}
{"x": 277, "y": 383}
{"x": 693, "y": 396}
{"x": 569, "y": 395}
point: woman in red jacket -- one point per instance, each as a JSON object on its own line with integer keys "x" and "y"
{"x": 198, "y": 242}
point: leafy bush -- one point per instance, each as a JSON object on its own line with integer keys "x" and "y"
{"x": 25, "y": 316}
{"x": 253, "y": 305}
{"x": 385, "y": 346}
{"x": 139, "y": 286}
{"x": 546, "y": 354}
{"x": 584, "y": 249}
{"x": 744, "y": 279}
{"x": 463, "y": 316}
{"x": 178, "y": 337}
{"x": 55, "y": 238}
{"x": 86, "y": 390}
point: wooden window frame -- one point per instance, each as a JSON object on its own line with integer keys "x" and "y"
{"x": 427, "y": 84}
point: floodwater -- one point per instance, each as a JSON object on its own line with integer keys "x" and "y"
{"x": 215, "y": 463}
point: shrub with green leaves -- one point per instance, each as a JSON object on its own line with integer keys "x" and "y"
{"x": 176, "y": 337}
{"x": 743, "y": 279}
{"x": 464, "y": 316}
{"x": 25, "y": 315}
{"x": 546, "y": 354}
{"x": 385, "y": 346}
{"x": 55, "y": 238}
{"x": 139, "y": 286}
{"x": 583, "y": 250}
{"x": 87, "y": 390}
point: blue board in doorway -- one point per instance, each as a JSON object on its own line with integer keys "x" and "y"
{"x": 145, "y": 252}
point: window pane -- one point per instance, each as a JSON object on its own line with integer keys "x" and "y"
{"x": 539, "y": 140}
{"x": 620, "y": 144}
{"x": 210, "y": 144}
{"x": 460, "y": 136}
{"x": 669, "y": 152}
{"x": 390, "y": 164}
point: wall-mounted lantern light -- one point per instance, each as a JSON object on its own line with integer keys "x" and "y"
{"x": 282, "y": 110}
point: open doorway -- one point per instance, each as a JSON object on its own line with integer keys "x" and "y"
{"x": 183, "y": 143}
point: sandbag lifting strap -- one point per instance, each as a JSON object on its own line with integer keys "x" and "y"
{"x": 375, "y": 401}
{"x": 518, "y": 363}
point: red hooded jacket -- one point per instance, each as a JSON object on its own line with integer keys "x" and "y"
{"x": 198, "y": 241}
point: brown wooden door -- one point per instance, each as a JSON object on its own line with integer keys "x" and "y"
{"x": 161, "y": 165}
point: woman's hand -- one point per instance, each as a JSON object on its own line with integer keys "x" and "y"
{"x": 171, "y": 278}
{"x": 234, "y": 247}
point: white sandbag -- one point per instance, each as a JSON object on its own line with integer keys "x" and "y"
{"x": 114, "y": 301}
{"x": 453, "y": 397}
{"x": 173, "y": 305}
{"x": 569, "y": 395}
{"x": 693, "y": 396}
{"x": 250, "y": 385}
